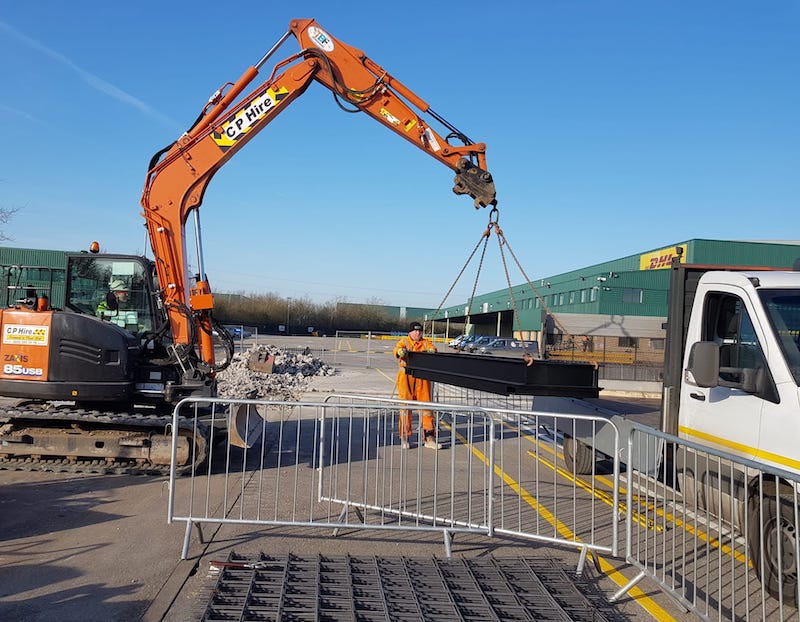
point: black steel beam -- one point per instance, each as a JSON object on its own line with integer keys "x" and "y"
{"x": 506, "y": 376}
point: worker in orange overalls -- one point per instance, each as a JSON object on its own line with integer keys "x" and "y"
{"x": 417, "y": 389}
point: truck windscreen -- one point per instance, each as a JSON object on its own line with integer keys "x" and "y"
{"x": 783, "y": 310}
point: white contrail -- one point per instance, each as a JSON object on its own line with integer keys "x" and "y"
{"x": 92, "y": 80}
{"x": 21, "y": 113}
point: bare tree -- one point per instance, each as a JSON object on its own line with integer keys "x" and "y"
{"x": 6, "y": 214}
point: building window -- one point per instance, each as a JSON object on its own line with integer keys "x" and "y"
{"x": 572, "y": 298}
{"x": 632, "y": 294}
{"x": 593, "y": 295}
{"x": 583, "y": 295}
{"x": 628, "y": 342}
{"x": 657, "y": 344}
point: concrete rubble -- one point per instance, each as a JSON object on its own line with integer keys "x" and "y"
{"x": 292, "y": 374}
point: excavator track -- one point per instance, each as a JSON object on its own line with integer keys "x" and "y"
{"x": 76, "y": 440}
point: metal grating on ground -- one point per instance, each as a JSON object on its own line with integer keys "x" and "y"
{"x": 363, "y": 589}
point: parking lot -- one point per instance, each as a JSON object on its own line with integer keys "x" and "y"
{"x": 98, "y": 547}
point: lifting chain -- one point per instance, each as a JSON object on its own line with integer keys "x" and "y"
{"x": 484, "y": 240}
{"x": 502, "y": 242}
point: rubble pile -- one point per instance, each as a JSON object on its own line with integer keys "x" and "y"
{"x": 292, "y": 373}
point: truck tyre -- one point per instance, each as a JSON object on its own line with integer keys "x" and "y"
{"x": 578, "y": 456}
{"x": 777, "y": 522}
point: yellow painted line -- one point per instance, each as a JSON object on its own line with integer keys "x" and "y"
{"x": 648, "y": 523}
{"x": 648, "y": 604}
{"x": 389, "y": 378}
{"x": 602, "y": 495}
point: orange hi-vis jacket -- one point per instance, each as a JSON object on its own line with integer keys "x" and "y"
{"x": 423, "y": 345}
{"x": 411, "y": 388}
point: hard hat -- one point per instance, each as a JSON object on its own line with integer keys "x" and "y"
{"x": 116, "y": 285}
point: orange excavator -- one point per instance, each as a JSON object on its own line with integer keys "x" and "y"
{"x": 96, "y": 378}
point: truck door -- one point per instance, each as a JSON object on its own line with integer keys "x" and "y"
{"x": 728, "y": 416}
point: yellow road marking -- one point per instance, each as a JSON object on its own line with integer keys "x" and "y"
{"x": 648, "y": 604}
{"x": 389, "y": 378}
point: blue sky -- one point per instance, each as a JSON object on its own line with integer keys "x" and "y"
{"x": 611, "y": 128}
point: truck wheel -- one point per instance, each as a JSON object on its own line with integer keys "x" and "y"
{"x": 777, "y": 522}
{"x": 578, "y": 456}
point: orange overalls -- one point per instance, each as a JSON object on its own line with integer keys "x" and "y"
{"x": 411, "y": 388}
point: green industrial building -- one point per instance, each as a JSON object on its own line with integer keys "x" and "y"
{"x": 618, "y": 305}
{"x": 616, "y": 308}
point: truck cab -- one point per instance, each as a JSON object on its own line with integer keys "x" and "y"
{"x": 742, "y": 366}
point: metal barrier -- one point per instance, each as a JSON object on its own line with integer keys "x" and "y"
{"x": 340, "y": 464}
{"x": 366, "y": 347}
{"x": 716, "y": 531}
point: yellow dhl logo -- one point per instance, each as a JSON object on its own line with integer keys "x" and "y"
{"x": 243, "y": 121}
{"x": 660, "y": 259}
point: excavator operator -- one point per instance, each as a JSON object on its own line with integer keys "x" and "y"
{"x": 117, "y": 290}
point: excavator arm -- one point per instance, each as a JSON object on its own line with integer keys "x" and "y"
{"x": 180, "y": 173}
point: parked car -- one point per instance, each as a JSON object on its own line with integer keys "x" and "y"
{"x": 238, "y": 332}
{"x": 465, "y": 341}
{"x": 479, "y": 341}
{"x": 504, "y": 346}
{"x": 455, "y": 343}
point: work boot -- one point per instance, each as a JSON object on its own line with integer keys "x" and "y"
{"x": 404, "y": 444}
{"x": 430, "y": 443}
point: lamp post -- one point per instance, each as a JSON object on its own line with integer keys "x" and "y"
{"x": 288, "y": 304}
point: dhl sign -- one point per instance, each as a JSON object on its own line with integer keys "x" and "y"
{"x": 660, "y": 259}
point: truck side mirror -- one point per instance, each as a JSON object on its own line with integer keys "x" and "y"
{"x": 704, "y": 364}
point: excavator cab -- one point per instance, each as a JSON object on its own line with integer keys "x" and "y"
{"x": 116, "y": 288}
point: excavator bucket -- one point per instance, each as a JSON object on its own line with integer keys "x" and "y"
{"x": 261, "y": 362}
{"x": 245, "y": 425}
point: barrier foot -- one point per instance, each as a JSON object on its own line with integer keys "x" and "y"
{"x": 448, "y": 544}
{"x": 581, "y": 562}
{"x": 186, "y": 536}
{"x": 627, "y": 587}
{"x": 343, "y": 517}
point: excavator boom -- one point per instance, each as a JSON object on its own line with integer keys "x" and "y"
{"x": 176, "y": 182}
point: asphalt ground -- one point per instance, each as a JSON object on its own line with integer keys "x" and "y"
{"x": 87, "y": 547}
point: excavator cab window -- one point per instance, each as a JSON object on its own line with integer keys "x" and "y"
{"x": 115, "y": 289}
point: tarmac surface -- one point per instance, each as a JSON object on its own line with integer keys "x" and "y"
{"x": 84, "y": 547}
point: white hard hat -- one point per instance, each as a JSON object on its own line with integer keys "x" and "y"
{"x": 116, "y": 285}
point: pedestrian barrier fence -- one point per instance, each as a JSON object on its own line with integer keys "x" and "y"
{"x": 716, "y": 531}
{"x": 340, "y": 464}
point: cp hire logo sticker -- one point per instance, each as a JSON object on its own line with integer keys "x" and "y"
{"x": 244, "y": 120}
{"x": 320, "y": 38}
{"x": 18, "y": 334}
